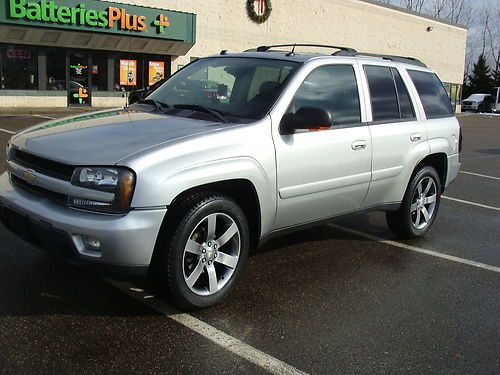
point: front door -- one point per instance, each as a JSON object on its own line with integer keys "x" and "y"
{"x": 79, "y": 80}
{"x": 326, "y": 172}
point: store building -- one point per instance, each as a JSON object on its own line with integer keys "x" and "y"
{"x": 75, "y": 52}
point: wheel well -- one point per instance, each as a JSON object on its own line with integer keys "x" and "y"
{"x": 439, "y": 162}
{"x": 241, "y": 190}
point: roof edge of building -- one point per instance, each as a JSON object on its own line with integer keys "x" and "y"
{"x": 413, "y": 13}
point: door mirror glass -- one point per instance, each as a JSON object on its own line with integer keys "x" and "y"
{"x": 311, "y": 118}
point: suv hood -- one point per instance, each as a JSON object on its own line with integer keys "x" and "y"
{"x": 105, "y": 137}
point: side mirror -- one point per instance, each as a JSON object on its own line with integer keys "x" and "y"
{"x": 312, "y": 118}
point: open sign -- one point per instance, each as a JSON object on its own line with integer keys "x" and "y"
{"x": 18, "y": 53}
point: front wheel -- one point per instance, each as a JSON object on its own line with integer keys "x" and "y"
{"x": 206, "y": 253}
{"x": 419, "y": 207}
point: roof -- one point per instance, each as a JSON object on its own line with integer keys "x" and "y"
{"x": 274, "y": 55}
{"x": 267, "y": 52}
{"x": 421, "y": 15}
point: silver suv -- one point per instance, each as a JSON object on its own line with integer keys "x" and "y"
{"x": 183, "y": 184}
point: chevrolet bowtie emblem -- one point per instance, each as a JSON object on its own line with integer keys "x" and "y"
{"x": 29, "y": 176}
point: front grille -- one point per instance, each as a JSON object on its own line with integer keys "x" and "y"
{"x": 44, "y": 166}
{"x": 51, "y": 195}
{"x": 467, "y": 103}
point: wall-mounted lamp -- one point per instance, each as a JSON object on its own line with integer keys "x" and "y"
{"x": 429, "y": 29}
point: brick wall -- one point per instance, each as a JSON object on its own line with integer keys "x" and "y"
{"x": 223, "y": 24}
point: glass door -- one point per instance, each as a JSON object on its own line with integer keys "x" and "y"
{"x": 79, "y": 80}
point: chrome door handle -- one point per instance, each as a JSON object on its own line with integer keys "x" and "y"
{"x": 416, "y": 137}
{"x": 358, "y": 145}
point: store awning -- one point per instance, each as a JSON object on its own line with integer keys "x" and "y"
{"x": 86, "y": 40}
{"x": 93, "y": 24}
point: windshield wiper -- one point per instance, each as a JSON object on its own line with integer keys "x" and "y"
{"x": 201, "y": 108}
{"x": 158, "y": 105}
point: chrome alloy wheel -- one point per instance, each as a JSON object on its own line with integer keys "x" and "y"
{"x": 423, "y": 203}
{"x": 211, "y": 254}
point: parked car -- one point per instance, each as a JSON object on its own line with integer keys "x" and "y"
{"x": 135, "y": 96}
{"x": 182, "y": 187}
{"x": 477, "y": 103}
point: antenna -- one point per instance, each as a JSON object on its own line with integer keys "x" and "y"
{"x": 292, "y": 52}
{"x": 128, "y": 65}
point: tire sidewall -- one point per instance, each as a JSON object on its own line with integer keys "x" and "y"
{"x": 424, "y": 172}
{"x": 175, "y": 253}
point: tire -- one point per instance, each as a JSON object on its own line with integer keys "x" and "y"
{"x": 419, "y": 207}
{"x": 199, "y": 266}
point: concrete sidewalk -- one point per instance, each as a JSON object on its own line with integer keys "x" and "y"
{"x": 44, "y": 111}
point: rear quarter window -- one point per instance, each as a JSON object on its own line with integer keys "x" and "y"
{"x": 432, "y": 94}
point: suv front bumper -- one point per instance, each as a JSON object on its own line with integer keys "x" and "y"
{"x": 127, "y": 241}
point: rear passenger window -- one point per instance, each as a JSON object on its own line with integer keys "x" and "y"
{"x": 432, "y": 94}
{"x": 405, "y": 105}
{"x": 334, "y": 88}
{"x": 382, "y": 93}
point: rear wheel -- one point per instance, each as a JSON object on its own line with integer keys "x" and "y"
{"x": 419, "y": 207}
{"x": 206, "y": 253}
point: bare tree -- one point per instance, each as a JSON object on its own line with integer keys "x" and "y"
{"x": 492, "y": 33}
{"x": 415, "y": 5}
{"x": 460, "y": 11}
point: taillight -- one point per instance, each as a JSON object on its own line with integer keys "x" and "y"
{"x": 460, "y": 139}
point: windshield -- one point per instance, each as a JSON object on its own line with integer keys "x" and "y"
{"x": 477, "y": 97}
{"x": 236, "y": 88}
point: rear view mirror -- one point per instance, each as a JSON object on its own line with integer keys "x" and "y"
{"x": 312, "y": 118}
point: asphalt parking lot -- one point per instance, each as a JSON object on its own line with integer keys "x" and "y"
{"x": 347, "y": 298}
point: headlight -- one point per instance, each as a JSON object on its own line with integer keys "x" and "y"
{"x": 118, "y": 181}
{"x": 8, "y": 150}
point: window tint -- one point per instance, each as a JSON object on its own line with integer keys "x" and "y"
{"x": 432, "y": 94}
{"x": 405, "y": 104}
{"x": 382, "y": 93}
{"x": 267, "y": 75}
{"x": 56, "y": 69}
{"x": 19, "y": 68}
{"x": 333, "y": 88}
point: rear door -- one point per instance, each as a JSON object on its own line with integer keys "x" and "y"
{"x": 398, "y": 133}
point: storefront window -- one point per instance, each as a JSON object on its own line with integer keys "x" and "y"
{"x": 136, "y": 71}
{"x": 125, "y": 75}
{"x": 454, "y": 92}
{"x": 99, "y": 71}
{"x": 19, "y": 68}
{"x": 155, "y": 72}
{"x": 56, "y": 69}
{"x": 78, "y": 93}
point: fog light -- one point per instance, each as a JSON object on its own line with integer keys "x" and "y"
{"x": 91, "y": 243}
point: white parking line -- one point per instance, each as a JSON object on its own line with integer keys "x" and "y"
{"x": 47, "y": 117}
{"x": 471, "y": 203}
{"x": 480, "y": 175}
{"x": 418, "y": 249}
{"x": 230, "y": 343}
{"x": 7, "y": 131}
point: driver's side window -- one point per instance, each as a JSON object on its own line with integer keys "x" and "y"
{"x": 334, "y": 88}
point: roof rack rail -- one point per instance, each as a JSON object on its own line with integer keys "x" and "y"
{"x": 267, "y": 48}
{"x": 403, "y": 59}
